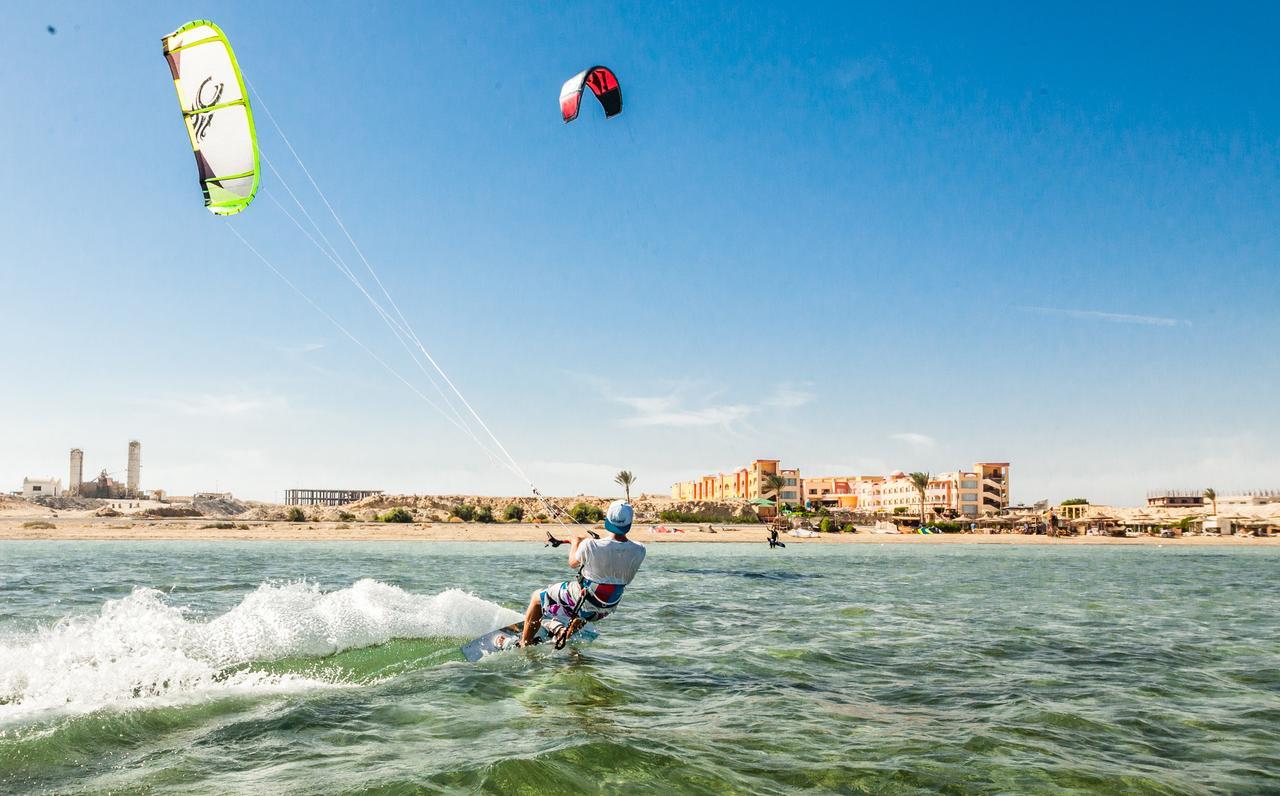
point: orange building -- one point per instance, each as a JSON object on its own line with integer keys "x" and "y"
{"x": 745, "y": 483}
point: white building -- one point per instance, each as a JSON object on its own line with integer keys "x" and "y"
{"x": 41, "y": 487}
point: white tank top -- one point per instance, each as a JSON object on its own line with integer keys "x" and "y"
{"x": 610, "y": 561}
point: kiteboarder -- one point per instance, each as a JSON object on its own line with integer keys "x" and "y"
{"x": 605, "y": 567}
{"x": 773, "y": 539}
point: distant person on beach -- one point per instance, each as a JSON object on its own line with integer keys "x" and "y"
{"x": 605, "y": 567}
{"x": 773, "y": 539}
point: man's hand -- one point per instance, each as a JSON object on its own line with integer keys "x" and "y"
{"x": 578, "y": 538}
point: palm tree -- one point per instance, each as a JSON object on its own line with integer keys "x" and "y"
{"x": 774, "y": 483}
{"x": 921, "y": 482}
{"x": 625, "y": 479}
{"x": 1211, "y": 495}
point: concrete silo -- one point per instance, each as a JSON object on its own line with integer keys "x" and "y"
{"x": 135, "y": 466}
{"x": 77, "y": 471}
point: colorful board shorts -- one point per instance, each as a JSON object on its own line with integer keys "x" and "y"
{"x": 558, "y": 601}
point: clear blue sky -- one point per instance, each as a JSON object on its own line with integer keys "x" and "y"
{"x": 856, "y": 239}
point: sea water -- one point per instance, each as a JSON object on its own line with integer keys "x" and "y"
{"x": 330, "y": 667}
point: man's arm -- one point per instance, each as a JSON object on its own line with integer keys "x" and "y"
{"x": 578, "y": 539}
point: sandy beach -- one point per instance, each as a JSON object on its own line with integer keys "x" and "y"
{"x": 120, "y": 529}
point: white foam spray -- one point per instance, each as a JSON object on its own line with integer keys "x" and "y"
{"x": 143, "y": 651}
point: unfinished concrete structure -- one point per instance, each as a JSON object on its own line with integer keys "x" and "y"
{"x": 326, "y": 497}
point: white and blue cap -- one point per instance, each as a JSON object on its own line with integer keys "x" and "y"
{"x": 617, "y": 519}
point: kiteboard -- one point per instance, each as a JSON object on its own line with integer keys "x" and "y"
{"x": 505, "y": 638}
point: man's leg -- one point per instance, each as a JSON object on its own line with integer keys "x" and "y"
{"x": 532, "y": 620}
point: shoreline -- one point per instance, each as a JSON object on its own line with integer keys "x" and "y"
{"x": 121, "y": 530}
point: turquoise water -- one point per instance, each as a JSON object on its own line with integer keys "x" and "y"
{"x": 332, "y": 668}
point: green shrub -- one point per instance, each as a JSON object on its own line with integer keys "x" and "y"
{"x": 542, "y": 516}
{"x": 295, "y": 514}
{"x": 222, "y": 526}
{"x": 38, "y": 525}
{"x": 585, "y": 512}
{"x": 725, "y": 517}
{"x": 398, "y": 514}
{"x": 514, "y": 513}
{"x": 848, "y": 528}
{"x": 1075, "y": 502}
{"x": 484, "y": 514}
{"x": 346, "y": 516}
{"x": 464, "y": 512}
{"x": 825, "y": 525}
{"x": 899, "y": 510}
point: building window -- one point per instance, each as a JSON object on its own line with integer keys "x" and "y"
{"x": 788, "y": 495}
{"x": 969, "y": 498}
{"x": 968, "y": 484}
{"x": 35, "y": 487}
{"x": 791, "y": 482}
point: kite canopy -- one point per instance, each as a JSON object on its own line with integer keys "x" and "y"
{"x": 603, "y": 83}
{"x": 216, "y": 111}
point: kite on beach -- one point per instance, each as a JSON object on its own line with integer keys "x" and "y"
{"x": 215, "y": 108}
{"x": 603, "y": 83}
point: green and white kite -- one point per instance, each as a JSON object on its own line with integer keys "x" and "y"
{"x": 215, "y": 108}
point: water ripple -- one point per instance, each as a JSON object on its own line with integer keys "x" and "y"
{"x": 729, "y": 670}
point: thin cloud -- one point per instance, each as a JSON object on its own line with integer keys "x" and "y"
{"x": 672, "y": 411}
{"x": 914, "y": 439}
{"x": 721, "y": 415}
{"x": 787, "y": 396}
{"x": 305, "y": 348}
{"x": 230, "y": 405}
{"x": 1110, "y": 317}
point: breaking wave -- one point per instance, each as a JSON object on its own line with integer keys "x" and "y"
{"x": 143, "y": 651}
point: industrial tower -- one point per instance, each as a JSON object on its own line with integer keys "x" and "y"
{"x": 77, "y": 471}
{"x": 135, "y": 465}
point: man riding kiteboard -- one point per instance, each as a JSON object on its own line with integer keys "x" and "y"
{"x": 605, "y": 567}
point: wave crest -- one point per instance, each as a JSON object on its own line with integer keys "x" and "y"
{"x": 141, "y": 650}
